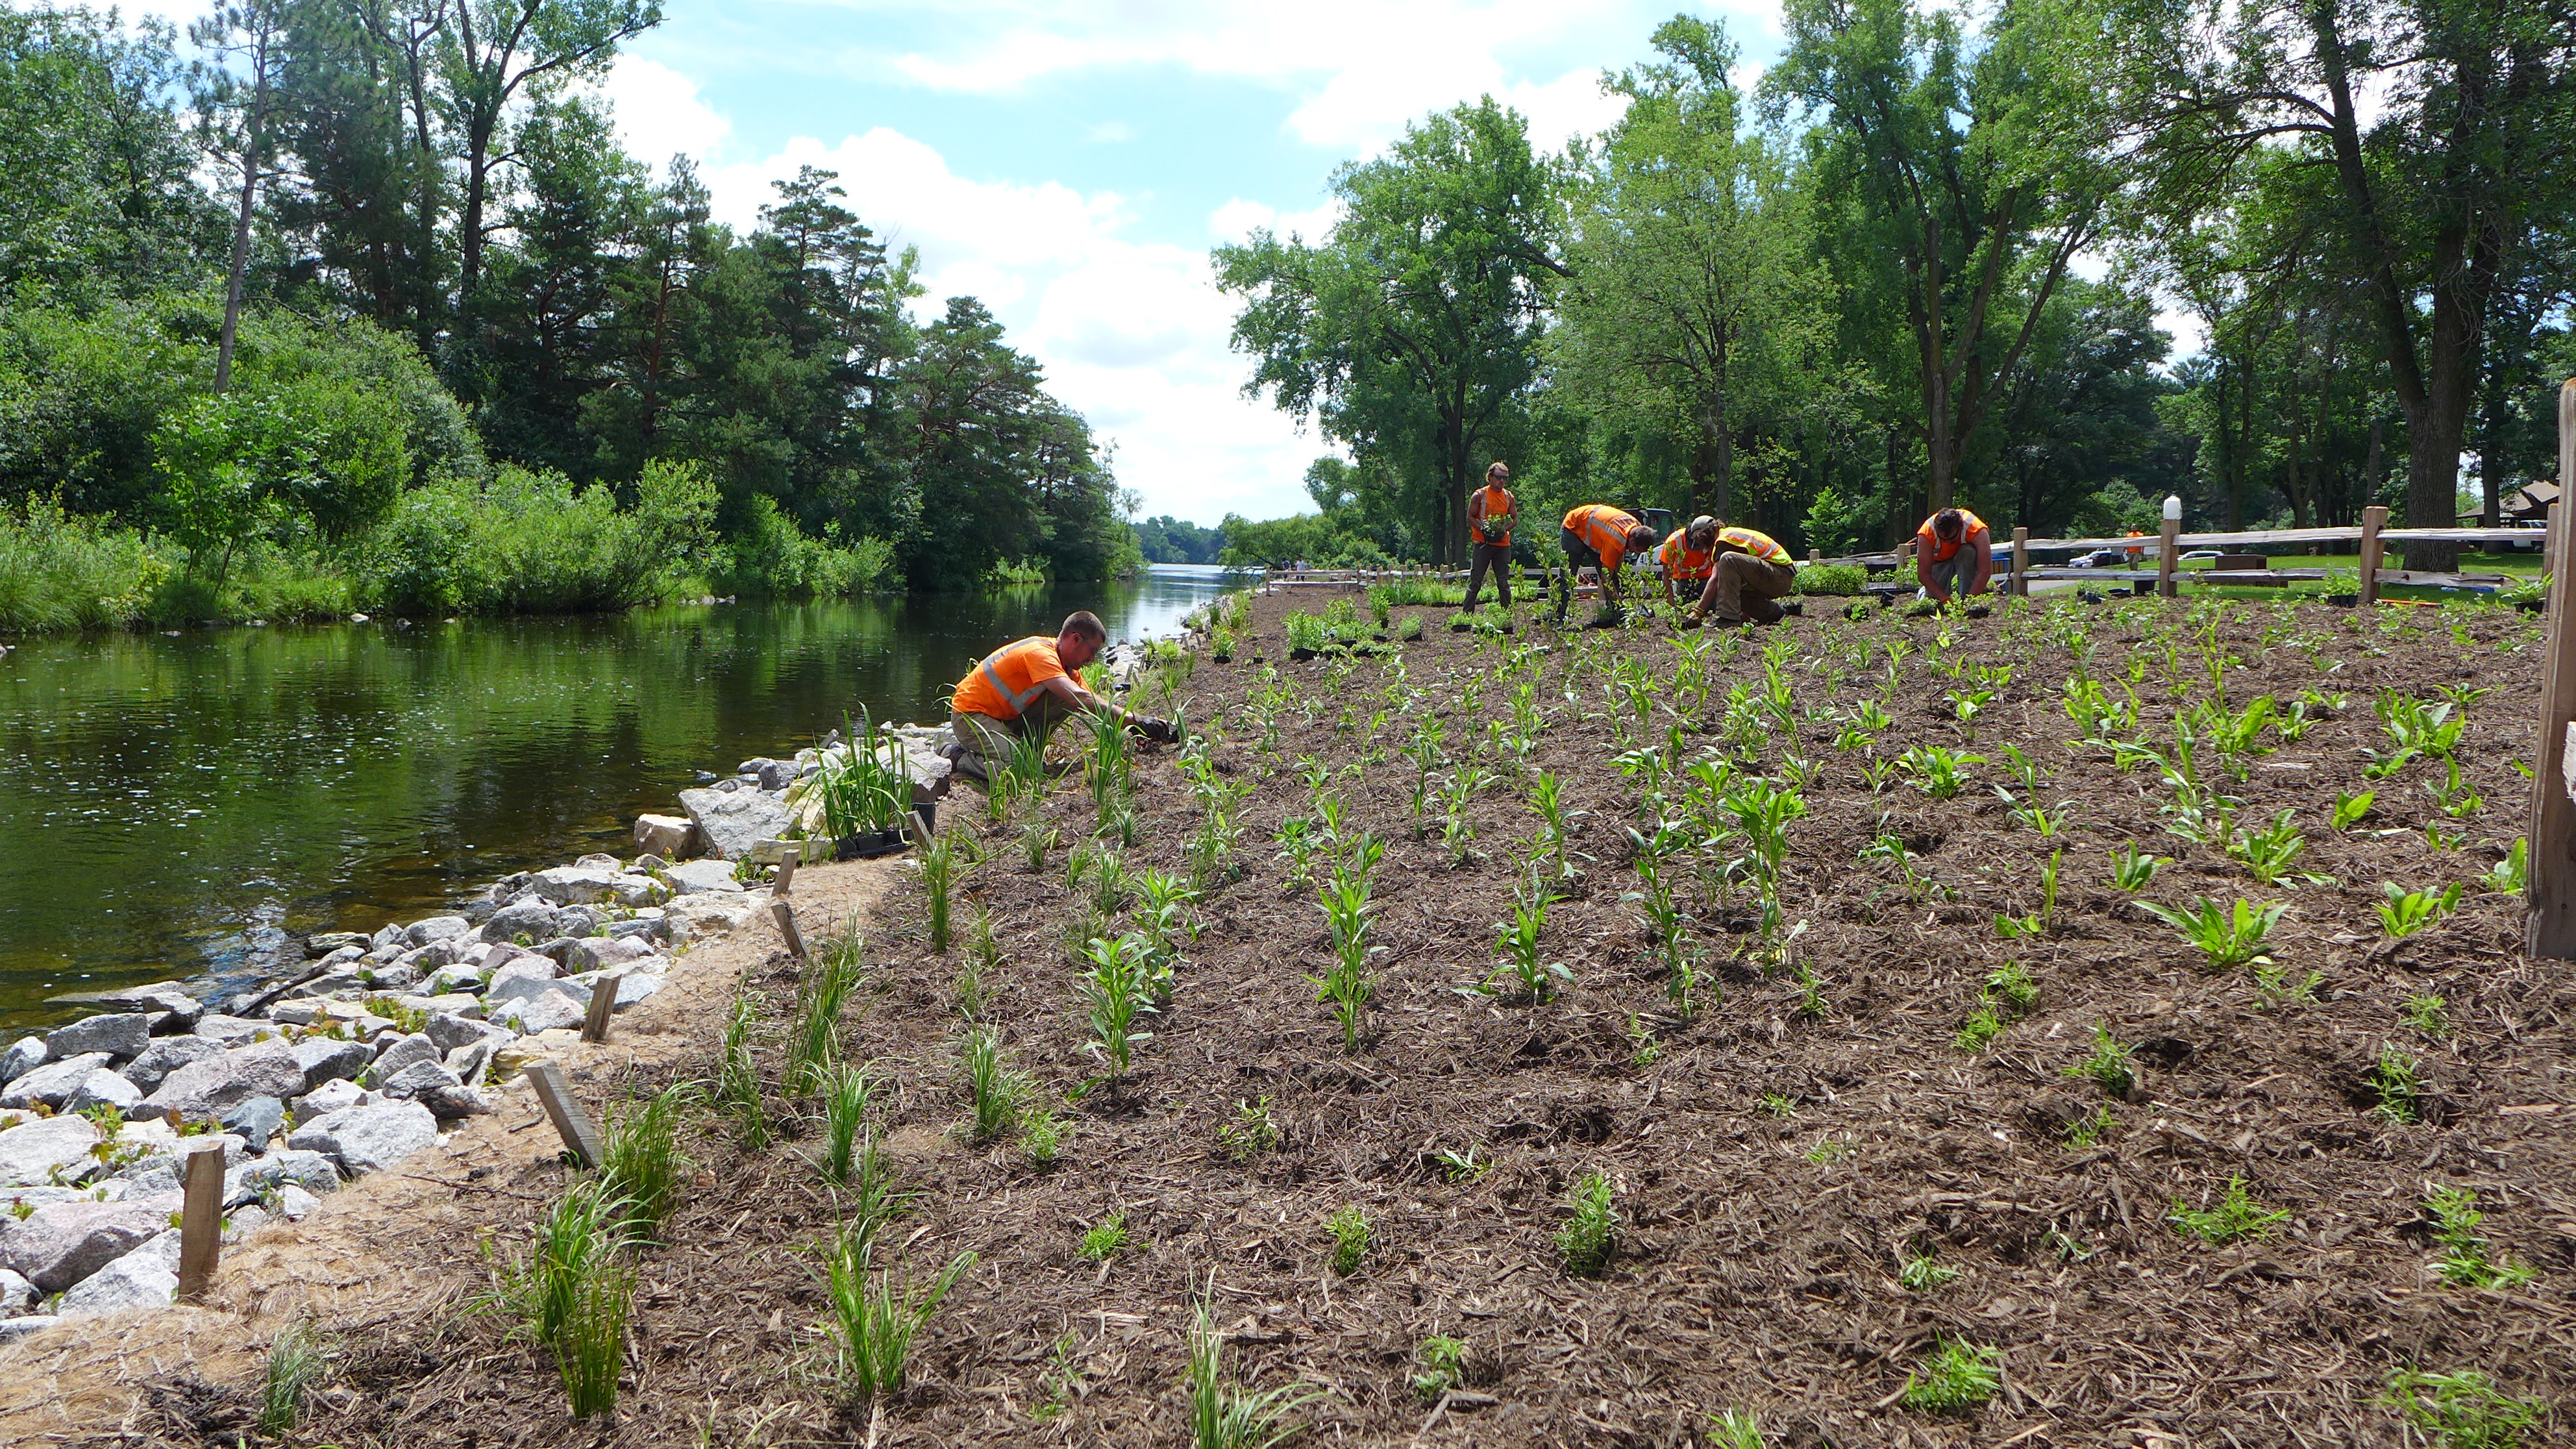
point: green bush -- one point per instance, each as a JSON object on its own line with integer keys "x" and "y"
{"x": 1841, "y": 579}
{"x": 62, "y": 571}
{"x": 532, "y": 543}
{"x": 770, "y": 557}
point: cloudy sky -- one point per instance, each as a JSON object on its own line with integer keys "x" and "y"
{"x": 1071, "y": 162}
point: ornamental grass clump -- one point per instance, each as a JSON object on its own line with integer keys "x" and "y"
{"x": 814, "y": 1038}
{"x": 1225, "y": 1417}
{"x": 571, "y": 1292}
{"x": 873, "y": 1322}
{"x": 643, "y": 1166}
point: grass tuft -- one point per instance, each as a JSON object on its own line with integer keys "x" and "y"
{"x": 1957, "y": 1376}
{"x": 874, "y": 1322}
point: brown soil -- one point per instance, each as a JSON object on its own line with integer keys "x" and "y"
{"x": 1775, "y": 1165}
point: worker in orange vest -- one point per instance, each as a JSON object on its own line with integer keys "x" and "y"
{"x": 1491, "y": 511}
{"x": 1751, "y": 570}
{"x": 1686, "y": 558}
{"x": 1023, "y": 690}
{"x": 1954, "y": 552}
{"x": 1599, "y": 537}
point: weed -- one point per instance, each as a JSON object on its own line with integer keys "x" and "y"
{"x": 1104, "y": 1239}
{"x": 2083, "y": 1132}
{"x": 1735, "y": 1429}
{"x": 1444, "y": 1366}
{"x": 2012, "y": 927}
{"x": 2467, "y": 1262}
{"x": 2272, "y": 985}
{"x": 1958, "y": 1375}
{"x": 1924, "y": 1272}
{"x": 2399, "y": 1080}
{"x": 1350, "y": 1230}
{"x": 2429, "y": 1014}
{"x": 2108, "y": 1066}
{"x": 2461, "y": 1410}
{"x": 1251, "y": 1130}
{"x": 2132, "y": 869}
{"x": 1777, "y": 1104}
{"x": 2404, "y": 913}
{"x": 2012, "y": 985}
{"x": 1222, "y": 1417}
{"x": 1647, "y": 1049}
{"x": 1584, "y": 1241}
{"x": 642, "y": 1165}
{"x": 873, "y": 1323}
{"x": 296, "y": 1361}
{"x": 1042, "y": 1134}
{"x": 2236, "y": 1216}
{"x": 2227, "y": 937}
{"x": 1981, "y": 1028}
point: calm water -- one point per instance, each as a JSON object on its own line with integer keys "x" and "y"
{"x": 171, "y": 807}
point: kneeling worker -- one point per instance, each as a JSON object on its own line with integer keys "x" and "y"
{"x": 1024, "y": 689}
{"x": 1600, "y": 537}
{"x": 1751, "y": 570}
{"x": 1954, "y": 551}
{"x": 1687, "y": 558}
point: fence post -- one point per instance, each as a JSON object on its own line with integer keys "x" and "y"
{"x": 2165, "y": 559}
{"x": 201, "y": 1222}
{"x": 2373, "y": 519}
{"x": 572, "y": 1124}
{"x": 785, "y": 915}
{"x": 603, "y": 1001}
{"x": 2021, "y": 563}
{"x": 2549, "y": 929}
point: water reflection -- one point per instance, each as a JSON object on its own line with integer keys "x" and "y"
{"x": 170, "y": 806}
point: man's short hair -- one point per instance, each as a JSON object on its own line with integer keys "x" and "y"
{"x": 1084, "y": 624}
{"x": 1949, "y": 521}
{"x": 1498, "y": 467}
{"x": 1641, "y": 537}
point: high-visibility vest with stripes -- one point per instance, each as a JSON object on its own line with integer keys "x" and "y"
{"x": 1010, "y": 679}
{"x": 1931, "y": 545}
{"x": 1680, "y": 560}
{"x": 1757, "y": 543}
{"x": 1603, "y": 529}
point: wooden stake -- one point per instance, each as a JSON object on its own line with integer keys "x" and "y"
{"x": 603, "y": 1001}
{"x": 2021, "y": 563}
{"x": 2166, "y": 560}
{"x": 2549, "y": 930}
{"x": 201, "y": 1222}
{"x": 785, "y": 915}
{"x": 572, "y": 1124}
{"x": 2373, "y": 519}
{"x": 786, "y": 872}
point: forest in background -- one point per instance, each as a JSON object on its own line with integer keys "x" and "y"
{"x": 363, "y": 306}
{"x": 1920, "y": 261}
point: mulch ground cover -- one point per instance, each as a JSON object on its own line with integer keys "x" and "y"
{"x": 1820, "y": 1183}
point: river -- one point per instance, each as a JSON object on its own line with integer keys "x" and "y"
{"x": 173, "y": 806}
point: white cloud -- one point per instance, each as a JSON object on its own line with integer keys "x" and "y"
{"x": 659, "y": 114}
{"x": 1133, "y": 334}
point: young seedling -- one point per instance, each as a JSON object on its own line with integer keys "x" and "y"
{"x": 1347, "y": 985}
{"x": 2236, "y": 1216}
{"x": 1462, "y": 1165}
{"x": 738, "y": 1077}
{"x": 2133, "y": 869}
{"x": 995, "y": 1091}
{"x": 1223, "y": 1417}
{"x": 938, "y": 874}
{"x": 2399, "y": 1081}
{"x": 845, "y": 1115}
{"x": 2350, "y": 807}
{"x": 2269, "y": 853}
{"x": 2226, "y": 937}
{"x": 2511, "y": 875}
{"x": 1350, "y": 1230}
{"x": 1444, "y": 1363}
{"x": 295, "y": 1363}
{"x": 2273, "y": 985}
{"x": 1736, "y": 1428}
{"x": 1036, "y": 839}
{"x": 1584, "y": 1241}
{"x": 1104, "y": 1240}
{"x": 2429, "y": 1014}
{"x": 1113, "y": 993}
{"x": 2014, "y": 927}
{"x": 1938, "y": 772}
{"x": 1251, "y": 1130}
{"x": 1958, "y": 1375}
{"x": 2083, "y": 1132}
{"x": 873, "y": 1322}
{"x": 1518, "y": 944}
{"x": 2109, "y": 1066}
{"x": 2467, "y": 1260}
{"x": 1981, "y": 1028}
{"x": 2404, "y": 913}
{"x": 1923, "y": 1272}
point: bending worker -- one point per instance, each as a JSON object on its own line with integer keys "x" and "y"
{"x": 1954, "y": 551}
{"x": 1490, "y": 512}
{"x": 1686, "y": 559}
{"x": 1750, "y": 571}
{"x": 1600, "y": 537}
{"x": 1023, "y": 690}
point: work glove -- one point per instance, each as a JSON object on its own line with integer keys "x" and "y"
{"x": 1160, "y": 731}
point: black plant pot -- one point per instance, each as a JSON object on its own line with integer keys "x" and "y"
{"x": 868, "y": 845}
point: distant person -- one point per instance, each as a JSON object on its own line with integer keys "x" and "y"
{"x": 1023, "y": 690}
{"x": 1687, "y": 558}
{"x": 1599, "y": 538}
{"x": 1491, "y": 511}
{"x": 1751, "y": 572}
{"x": 1954, "y": 552}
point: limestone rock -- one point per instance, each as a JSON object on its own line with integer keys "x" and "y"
{"x": 206, "y": 1088}
{"x": 145, "y": 1277}
{"x": 102, "y": 1088}
{"x": 52, "y": 1082}
{"x": 695, "y": 877}
{"x": 671, "y": 837}
{"x": 61, "y": 1243}
{"x": 167, "y": 1055}
{"x": 31, "y": 1152}
{"x": 437, "y": 928}
{"x": 23, "y": 1056}
{"x": 546, "y": 1011}
{"x": 368, "y": 1139}
{"x": 327, "y": 1059}
{"x": 731, "y": 822}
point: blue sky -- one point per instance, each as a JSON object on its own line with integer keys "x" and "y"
{"x": 1071, "y": 164}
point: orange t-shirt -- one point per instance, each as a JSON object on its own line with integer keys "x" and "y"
{"x": 1604, "y": 528}
{"x": 1491, "y": 502}
{"x": 1929, "y": 544}
{"x": 1680, "y": 560}
{"x": 1010, "y": 679}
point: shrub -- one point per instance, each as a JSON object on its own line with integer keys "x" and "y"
{"x": 1838, "y": 579}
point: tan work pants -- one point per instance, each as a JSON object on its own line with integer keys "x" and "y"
{"x": 986, "y": 744}
{"x": 1741, "y": 588}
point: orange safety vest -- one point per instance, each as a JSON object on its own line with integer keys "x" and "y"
{"x": 1680, "y": 560}
{"x": 1925, "y": 538}
{"x": 1009, "y": 680}
{"x": 1604, "y": 528}
{"x": 1757, "y": 543}
{"x": 1481, "y": 505}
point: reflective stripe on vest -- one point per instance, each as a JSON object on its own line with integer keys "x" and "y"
{"x": 1757, "y": 543}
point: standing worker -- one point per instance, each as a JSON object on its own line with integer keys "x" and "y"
{"x": 1751, "y": 571}
{"x": 1954, "y": 551}
{"x": 1686, "y": 556}
{"x": 1600, "y": 537}
{"x": 1023, "y": 690}
{"x": 1490, "y": 513}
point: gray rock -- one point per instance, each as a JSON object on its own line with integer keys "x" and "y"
{"x": 325, "y": 1059}
{"x": 602, "y": 952}
{"x": 437, "y": 928}
{"x": 407, "y": 1051}
{"x": 329, "y": 1097}
{"x": 17, "y": 1295}
{"x": 776, "y": 774}
{"x": 102, "y": 1088}
{"x": 534, "y": 918}
{"x": 368, "y": 1139}
{"x": 668, "y": 836}
{"x": 415, "y": 1079}
{"x": 13, "y": 1329}
{"x": 545, "y": 1011}
{"x": 449, "y": 1104}
{"x": 62, "y": 1243}
{"x": 327, "y": 942}
{"x": 23, "y": 1056}
{"x": 233, "y": 1031}
{"x": 121, "y": 1036}
{"x": 52, "y": 1082}
{"x": 696, "y": 877}
{"x": 463, "y": 976}
{"x": 340, "y": 958}
{"x": 640, "y": 928}
{"x": 731, "y": 822}
{"x": 520, "y": 980}
{"x": 386, "y": 935}
{"x": 570, "y": 885}
{"x": 162, "y": 1177}
{"x": 635, "y": 980}
{"x": 243, "y": 1221}
{"x": 450, "y": 1032}
{"x": 294, "y": 1202}
{"x": 32, "y": 1152}
{"x": 471, "y": 1061}
{"x": 278, "y": 1171}
{"x": 257, "y": 1120}
{"x": 167, "y": 1055}
{"x": 206, "y": 1088}
{"x": 145, "y": 1277}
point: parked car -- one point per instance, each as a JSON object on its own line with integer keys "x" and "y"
{"x": 2103, "y": 558}
{"x": 2200, "y": 554}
